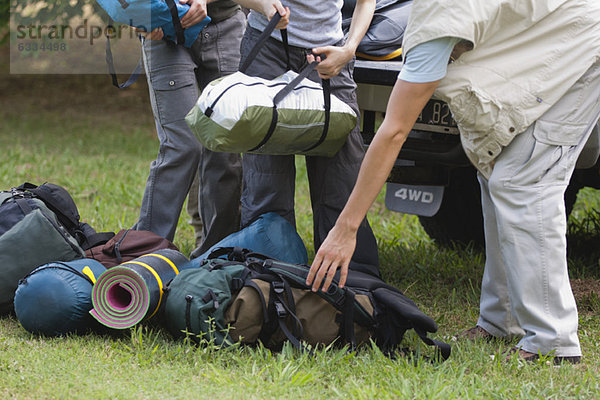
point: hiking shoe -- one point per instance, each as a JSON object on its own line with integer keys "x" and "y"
{"x": 532, "y": 357}
{"x": 475, "y": 333}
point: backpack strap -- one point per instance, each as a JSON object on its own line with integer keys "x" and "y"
{"x": 442, "y": 349}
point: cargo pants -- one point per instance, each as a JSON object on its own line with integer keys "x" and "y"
{"x": 526, "y": 290}
{"x": 175, "y": 77}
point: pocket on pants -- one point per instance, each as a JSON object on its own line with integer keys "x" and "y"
{"x": 175, "y": 92}
{"x": 553, "y": 155}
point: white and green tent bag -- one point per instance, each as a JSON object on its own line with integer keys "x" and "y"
{"x": 287, "y": 115}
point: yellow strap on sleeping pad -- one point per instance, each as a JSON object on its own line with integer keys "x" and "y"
{"x": 167, "y": 260}
{"x": 160, "y": 284}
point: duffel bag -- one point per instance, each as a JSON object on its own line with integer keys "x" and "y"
{"x": 56, "y": 298}
{"x": 249, "y": 298}
{"x": 287, "y": 115}
{"x": 30, "y": 235}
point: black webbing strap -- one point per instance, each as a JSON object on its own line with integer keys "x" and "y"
{"x": 111, "y": 65}
{"x": 347, "y": 325}
{"x": 24, "y": 206}
{"x": 327, "y": 103}
{"x": 57, "y": 265}
{"x": 264, "y": 36}
{"x": 176, "y": 21}
{"x": 443, "y": 349}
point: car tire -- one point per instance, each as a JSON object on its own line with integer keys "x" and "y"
{"x": 459, "y": 220}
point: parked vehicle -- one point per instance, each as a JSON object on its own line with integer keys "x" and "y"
{"x": 432, "y": 177}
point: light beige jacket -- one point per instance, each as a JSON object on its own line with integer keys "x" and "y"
{"x": 526, "y": 54}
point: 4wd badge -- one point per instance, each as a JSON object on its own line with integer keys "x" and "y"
{"x": 412, "y": 199}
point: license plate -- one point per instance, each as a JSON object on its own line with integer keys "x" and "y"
{"x": 436, "y": 117}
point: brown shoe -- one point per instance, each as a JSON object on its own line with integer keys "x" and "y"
{"x": 475, "y": 333}
{"x": 532, "y": 357}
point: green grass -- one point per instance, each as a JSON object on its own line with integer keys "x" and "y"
{"x": 97, "y": 142}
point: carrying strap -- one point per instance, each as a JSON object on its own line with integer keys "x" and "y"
{"x": 57, "y": 265}
{"x": 262, "y": 39}
{"x": 176, "y": 21}
{"x": 111, "y": 65}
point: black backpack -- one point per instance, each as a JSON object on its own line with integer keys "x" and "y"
{"x": 60, "y": 202}
{"x": 38, "y": 225}
{"x": 254, "y": 298}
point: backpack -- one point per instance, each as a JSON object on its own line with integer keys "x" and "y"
{"x": 290, "y": 114}
{"x": 249, "y": 298}
{"x": 383, "y": 39}
{"x": 126, "y": 245}
{"x": 38, "y": 224}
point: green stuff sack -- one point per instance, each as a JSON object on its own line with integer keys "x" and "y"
{"x": 287, "y": 115}
{"x": 197, "y": 299}
{"x": 36, "y": 238}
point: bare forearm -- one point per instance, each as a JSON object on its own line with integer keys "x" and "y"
{"x": 361, "y": 19}
{"x": 405, "y": 104}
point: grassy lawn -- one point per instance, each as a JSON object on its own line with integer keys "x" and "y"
{"x": 98, "y": 142}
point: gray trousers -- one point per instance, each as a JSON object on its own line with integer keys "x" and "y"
{"x": 269, "y": 181}
{"x": 525, "y": 289}
{"x": 175, "y": 76}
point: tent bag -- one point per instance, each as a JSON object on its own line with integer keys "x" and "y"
{"x": 287, "y": 115}
{"x": 55, "y": 299}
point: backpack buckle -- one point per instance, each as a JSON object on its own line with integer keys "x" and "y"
{"x": 278, "y": 287}
{"x": 280, "y": 310}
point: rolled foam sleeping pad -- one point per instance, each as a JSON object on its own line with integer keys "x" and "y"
{"x": 133, "y": 291}
{"x": 55, "y": 298}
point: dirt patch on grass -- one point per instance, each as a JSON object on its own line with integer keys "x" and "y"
{"x": 587, "y": 294}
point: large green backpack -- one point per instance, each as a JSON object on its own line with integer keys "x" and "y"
{"x": 247, "y": 298}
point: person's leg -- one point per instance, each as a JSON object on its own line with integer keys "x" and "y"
{"x": 193, "y": 210}
{"x": 495, "y": 316}
{"x": 332, "y": 180}
{"x": 219, "y": 174}
{"x": 269, "y": 181}
{"x": 173, "y": 92}
{"x": 527, "y": 189}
